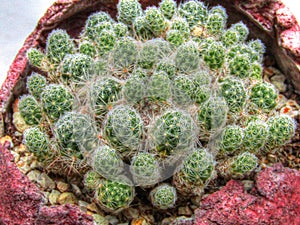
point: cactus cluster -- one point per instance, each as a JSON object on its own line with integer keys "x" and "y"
{"x": 160, "y": 92}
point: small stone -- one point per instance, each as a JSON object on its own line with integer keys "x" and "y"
{"x": 112, "y": 219}
{"x": 19, "y": 122}
{"x": 167, "y": 221}
{"x": 53, "y": 197}
{"x": 123, "y": 224}
{"x": 6, "y": 139}
{"x": 76, "y": 190}
{"x": 62, "y": 186}
{"x": 100, "y": 220}
{"x": 21, "y": 149}
{"x": 140, "y": 221}
{"x": 184, "y": 211}
{"x": 131, "y": 213}
{"x": 83, "y": 205}
{"x": 36, "y": 164}
{"x": 248, "y": 184}
{"x": 23, "y": 167}
{"x": 46, "y": 182}
{"x": 92, "y": 207}
{"x": 196, "y": 200}
{"x": 16, "y": 156}
{"x": 67, "y": 198}
{"x": 46, "y": 197}
{"x": 34, "y": 175}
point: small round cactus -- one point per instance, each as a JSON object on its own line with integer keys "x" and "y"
{"x": 243, "y": 164}
{"x": 240, "y": 66}
{"x": 128, "y": 10}
{"x": 124, "y": 129}
{"x": 36, "y": 57}
{"x": 258, "y": 46}
{"x": 168, "y": 67}
{"x": 104, "y": 93}
{"x": 37, "y": 143}
{"x": 242, "y": 29}
{"x": 187, "y": 57}
{"x": 256, "y": 71}
{"x": 106, "y": 162}
{"x": 155, "y": 21}
{"x": 234, "y": 93}
{"x": 180, "y": 24}
{"x": 194, "y": 12}
{"x": 56, "y": 100}
{"x": 163, "y": 196}
{"x": 168, "y": 8}
{"x": 215, "y": 24}
{"x": 120, "y": 29}
{"x": 145, "y": 169}
{"x": 230, "y": 37}
{"x": 173, "y": 133}
{"x": 255, "y": 136}
{"x": 105, "y": 42}
{"x": 196, "y": 169}
{"x": 183, "y": 90}
{"x": 218, "y": 10}
{"x": 30, "y": 110}
{"x": 134, "y": 90}
{"x": 175, "y": 37}
{"x": 36, "y": 84}
{"x": 214, "y": 56}
{"x": 159, "y": 87}
{"x": 91, "y": 180}
{"x": 281, "y": 130}
{"x": 263, "y": 96}
{"x": 59, "y": 44}
{"x": 141, "y": 29}
{"x": 231, "y": 139}
{"x": 114, "y": 195}
{"x": 87, "y": 48}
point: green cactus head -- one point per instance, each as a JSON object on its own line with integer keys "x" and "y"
{"x": 145, "y": 169}
{"x": 56, "y": 100}
{"x": 37, "y": 143}
{"x": 36, "y": 57}
{"x": 258, "y": 46}
{"x": 281, "y": 130}
{"x": 183, "y": 90}
{"x": 123, "y": 129}
{"x": 114, "y": 195}
{"x": 220, "y": 10}
{"x": 175, "y": 37}
{"x": 120, "y": 29}
{"x": 105, "y": 42}
{"x": 240, "y": 66}
{"x": 242, "y": 29}
{"x": 194, "y": 12}
{"x": 263, "y": 96}
{"x": 187, "y": 57}
{"x": 142, "y": 31}
{"x": 87, "y": 48}
{"x": 91, "y": 180}
{"x": 30, "y": 110}
{"x": 230, "y": 37}
{"x": 107, "y": 162}
{"x": 134, "y": 90}
{"x": 59, "y": 44}
{"x": 128, "y": 10}
{"x": 168, "y": 8}
{"x": 163, "y": 196}
{"x": 36, "y": 84}
{"x": 181, "y": 25}
{"x": 215, "y": 24}
{"x": 167, "y": 66}
{"x": 214, "y": 55}
{"x": 231, "y": 139}
{"x": 256, "y": 71}
{"x": 173, "y": 133}
{"x": 155, "y": 21}
{"x": 243, "y": 164}
{"x": 159, "y": 87}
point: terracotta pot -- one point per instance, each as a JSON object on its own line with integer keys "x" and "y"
{"x": 21, "y": 201}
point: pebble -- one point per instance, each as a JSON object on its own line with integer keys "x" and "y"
{"x": 140, "y": 221}
{"x": 185, "y": 211}
{"x": 67, "y": 198}
{"x": 131, "y": 213}
{"x": 100, "y": 220}
{"x": 76, "y": 190}
{"x": 62, "y": 186}
{"x": 16, "y": 156}
{"x": 112, "y": 219}
{"x": 34, "y": 175}
{"x": 46, "y": 182}
{"x": 19, "y": 122}
{"x": 248, "y": 184}
{"x": 92, "y": 207}
{"x": 53, "y": 197}
{"x": 21, "y": 149}
{"x": 83, "y": 205}
{"x": 46, "y": 197}
{"x": 167, "y": 221}
{"x": 6, "y": 139}
{"x": 196, "y": 200}
{"x": 23, "y": 166}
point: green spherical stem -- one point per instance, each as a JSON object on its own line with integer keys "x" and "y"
{"x": 194, "y": 12}
{"x": 59, "y": 44}
{"x": 36, "y": 84}
{"x": 30, "y": 110}
{"x": 201, "y": 93}
{"x": 76, "y": 67}
{"x": 281, "y": 130}
{"x": 234, "y": 93}
{"x": 240, "y": 66}
{"x": 159, "y": 87}
{"x": 175, "y": 37}
{"x": 231, "y": 139}
{"x": 168, "y": 8}
{"x": 219, "y": 10}
{"x": 166, "y": 66}
{"x": 173, "y": 133}
{"x": 104, "y": 93}
{"x": 105, "y": 42}
{"x": 181, "y": 25}
{"x": 107, "y": 162}
{"x": 256, "y": 71}
{"x": 128, "y": 10}
{"x": 238, "y": 49}
{"x": 123, "y": 129}
{"x": 155, "y": 21}
{"x": 163, "y": 196}
{"x": 230, "y": 37}
{"x": 243, "y": 164}
{"x": 187, "y": 57}
{"x": 120, "y": 29}
{"x": 258, "y": 46}
{"x": 242, "y": 29}
{"x": 87, "y": 48}
{"x": 91, "y": 180}
{"x": 183, "y": 90}
{"x": 36, "y": 57}
{"x": 134, "y": 90}
{"x": 214, "y": 56}
{"x": 263, "y": 96}
{"x": 37, "y": 143}
{"x": 216, "y": 24}
{"x": 212, "y": 114}
{"x": 114, "y": 195}
{"x": 141, "y": 30}
{"x": 145, "y": 169}
{"x": 255, "y": 136}
{"x": 56, "y": 100}
{"x": 204, "y": 44}
{"x": 201, "y": 78}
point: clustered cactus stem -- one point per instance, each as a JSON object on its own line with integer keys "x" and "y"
{"x": 167, "y": 91}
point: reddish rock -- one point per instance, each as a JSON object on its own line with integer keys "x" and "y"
{"x": 274, "y": 200}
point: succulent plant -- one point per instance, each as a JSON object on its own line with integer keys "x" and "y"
{"x": 187, "y": 58}
{"x": 145, "y": 169}
{"x": 281, "y": 130}
{"x": 106, "y": 41}
{"x": 30, "y": 110}
{"x": 124, "y": 129}
{"x": 218, "y": 10}
{"x": 175, "y": 37}
{"x": 215, "y": 24}
{"x": 37, "y": 143}
{"x": 256, "y": 71}
{"x": 128, "y": 10}
{"x": 56, "y": 100}
{"x": 214, "y": 56}
{"x": 263, "y": 96}
{"x": 107, "y": 162}
{"x": 87, "y": 48}
{"x": 240, "y": 66}
{"x": 255, "y": 136}
{"x": 257, "y": 45}
{"x": 163, "y": 196}
{"x": 183, "y": 90}
{"x": 168, "y": 67}
{"x": 231, "y": 139}
{"x": 159, "y": 87}
{"x": 114, "y": 195}
{"x": 173, "y": 133}
{"x": 36, "y": 84}
{"x": 91, "y": 180}
{"x": 134, "y": 90}
{"x": 155, "y": 21}
{"x": 196, "y": 169}
{"x": 120, "y": 29}
{"x": 242, "y": 29}
{"x": 243, "y": 164}
{"x": 194, "y": 12}
{"x": 36, "y": 57}
{"x": 141, "y": 29}
{"x": 168, "y": 8}
{"x": 230, "y": 37}
{"x": 59, "y": 44}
